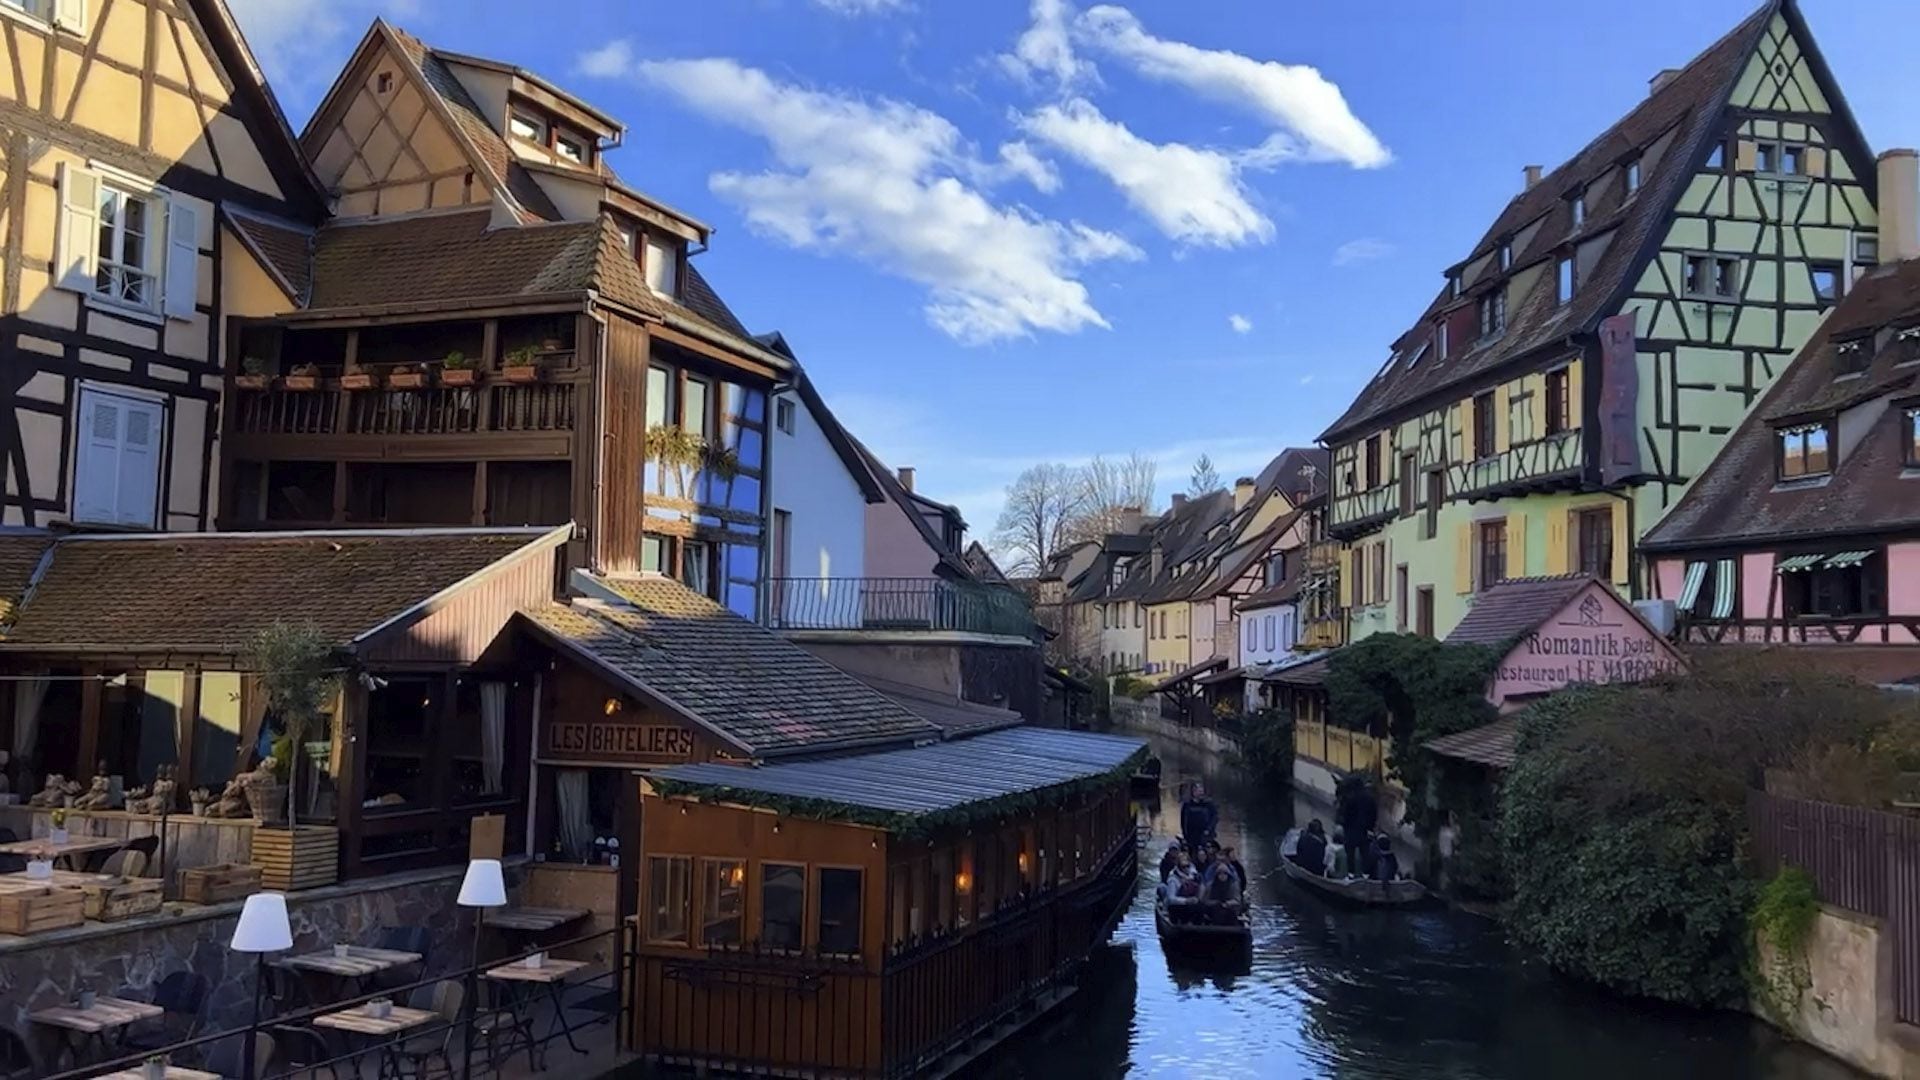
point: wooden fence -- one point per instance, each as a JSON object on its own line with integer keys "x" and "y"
{"x": 1338, "y": 747}
{"x": 1862, "y": 860}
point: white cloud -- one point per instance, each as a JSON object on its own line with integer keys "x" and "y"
{"x": 296, "y": 41}
{"x": 893, "y": 185}
{"x": 1193, "y": 195}
{"x": 1313, "y": 117}
{"x": 1365, "y": 249}
{"x": 1240, "y": 323}
{"x": 1018, "y": 159}
{"x": 1046, "y": 48}
{"x": 608, "y": 61}
{"x": 860, "y": 7}
{"x": 1306, "y": 380}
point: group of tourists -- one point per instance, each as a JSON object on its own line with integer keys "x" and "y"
{"x": 1357, "y": 849}
{"x": 1199, "y": 879}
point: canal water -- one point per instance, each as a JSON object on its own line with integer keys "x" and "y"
{"x": 1340, "y": 993}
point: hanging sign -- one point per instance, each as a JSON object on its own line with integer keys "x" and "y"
{"x": 615, "y": 739}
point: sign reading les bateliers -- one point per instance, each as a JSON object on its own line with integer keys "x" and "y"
{"x": 617, "y": 738}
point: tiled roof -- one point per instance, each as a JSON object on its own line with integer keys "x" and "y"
{"x": 20, "y": 551}
{"x": 1308, "y": 673}
{"x": 1298, "y": 472}
{"x": 1686, "y": 108}
{"x": 1285, "y": 591}
{"x": 286, "y": 249}
{"x": 1240, "y": 556}
{"x": 1738, "y": 499}
{"x": 1203, "y": 667}
{"x": 744, "y": 683}
{"x": 211, "y": 592}
{"x": 889, "y": 483}
{"x": 1184, "y": 534}
{"x": 1490, "y": 744}
{"x": 1512, "y": 608}
{"x": 951, "y": 715}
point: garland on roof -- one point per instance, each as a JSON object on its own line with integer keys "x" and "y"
{"x": 899, "y": 823}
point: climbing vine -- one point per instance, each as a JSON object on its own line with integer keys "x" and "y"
{"x": 1782, "y": 921}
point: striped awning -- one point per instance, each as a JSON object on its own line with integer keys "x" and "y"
{"x": 1690, "y": 589}
{"x": 1848, "y": 558}
{"x": 1723, "y": 588}
{"x": 1798, "y": 562}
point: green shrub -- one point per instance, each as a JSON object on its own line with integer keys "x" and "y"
{"x": 1132, "y": 686}
{"x": 1783, "y": 918}
{"x": 1266, "y": 747}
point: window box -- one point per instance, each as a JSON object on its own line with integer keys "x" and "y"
{"x": 249, "y": 382}
{"x": 521, "y": 373}
{"x": 459, "y": 377}
{"x": 406, "y": 379}
{"x": 359, "y": 380}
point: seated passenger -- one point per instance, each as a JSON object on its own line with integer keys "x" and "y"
{"x": 1310, "y": 850}
{"x": 1386, "y": 865}
{"x": 1337, "y": 867}
{"x": 1239, "y": 868}
{"x": 1183, "y": 883}
{"x": 1170, "y": 859}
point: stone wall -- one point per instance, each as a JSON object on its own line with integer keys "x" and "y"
{"x": 1000, "y": 672}
{"x": 1847, "y": 1010}
{"x": 1144, "y": 716}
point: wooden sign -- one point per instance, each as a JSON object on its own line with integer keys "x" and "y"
{"x": 487, "y": 837}
{"x": 615, "y": 738}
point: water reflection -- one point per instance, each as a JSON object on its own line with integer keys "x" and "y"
{"x": 1336, "y": 992}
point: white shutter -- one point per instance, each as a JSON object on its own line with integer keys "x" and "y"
{"x": 96, "y": 468}
{"x": 70, "y": 15}
{"x": 183, "y": 258}
{"x": 139, "y": 463}
{"x": 79, "y": 233}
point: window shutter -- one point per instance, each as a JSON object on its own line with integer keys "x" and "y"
{"x": 1463, "y": 559}
{"x": 1816, "y": 161}
{"x": 79, "y": 233}
{"x": 96, "y": 468}
{"x": 1576, "y": 410}
{"x": 1502, "y": 420}
{"x": 139, "y": 459}
{"x": 1346, "y": 578}
{"x": 1516, "y": 546}
{"x": 1536, "y": 407}
{"x": 70, "y": 15}
{"x": 1746, "y": 156}
{"x": 183, "y": 258}
{"x": 1558, "y": 544}
{"x": 1620, "y": 545}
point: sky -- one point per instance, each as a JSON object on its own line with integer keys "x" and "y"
{"x": 1000, "y": 232}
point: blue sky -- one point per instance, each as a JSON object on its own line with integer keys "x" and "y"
{"x": 1000, "y": 232}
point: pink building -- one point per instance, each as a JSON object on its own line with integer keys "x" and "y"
{"x": 1561, "y": 632}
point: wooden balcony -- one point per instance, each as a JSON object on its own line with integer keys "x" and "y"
{"x": 492, "y": 418}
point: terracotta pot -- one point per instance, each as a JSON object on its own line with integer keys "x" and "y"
{"x": 300, "y": 382}
{"x": 357, "y": 381}
{"x": 250, "y": 382}
{"x": 458, "y": 376}
{"x": 521, "y": 373}
{"x": 406, "y": 380}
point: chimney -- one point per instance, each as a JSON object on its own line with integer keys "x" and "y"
{"x": 1129, "y": 521}
{"x": 1242, "y": 492}
{"x": 906, "y": 478}
{"x": 1666, "y": 76}
{"x": 1899, "y": 184}
{"x": 1532, "y": 173}
{"x": 1179, "y": 500}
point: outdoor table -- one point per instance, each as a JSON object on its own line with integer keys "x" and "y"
{"x": 533, "y": 920}
{"x": 553, "y": 975}
{"x": 60, "y": 878}
{"x": 357, "y": 1022}
{"x": 174, "y": 1072}
{"x": 360, "y": 962}
{"x": 42, "y": 848}
{"x": 108, "y": 1016}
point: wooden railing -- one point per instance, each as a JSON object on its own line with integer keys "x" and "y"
{"x": 437, "y": 410}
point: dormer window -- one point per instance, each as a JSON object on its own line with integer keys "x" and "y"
{"x": 529, "y": 127}
{"x": 571, "y": 149}
{"x": 1579, "y": 204}
{"x": 661, "y": 266}
{"x": 1440, "y": 340}
{"x": 1564, "y": 280}
{"x": 1493, "y": 313}
{"x": 1805, "y": 451}
{"x": 1913, "y": 437}
{"x": 1906, "y": 345}
{"x": 1850, "y": 357}
{"x": 1633, "y": 176}
{"x": 1453, "y": 286}
{"x": 1506, "y": 257}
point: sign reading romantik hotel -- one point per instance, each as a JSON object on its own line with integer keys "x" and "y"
{"x": 1593, "y": 637}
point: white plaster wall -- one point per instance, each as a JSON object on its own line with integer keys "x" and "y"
{"x": 1253, "y": 629}
{"x": 827, "y": 525}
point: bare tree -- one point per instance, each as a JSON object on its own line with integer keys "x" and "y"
{"x": 1109, "y": 488}
{"x": 1205, "y": 479}
{"x": 1033, "y": 523}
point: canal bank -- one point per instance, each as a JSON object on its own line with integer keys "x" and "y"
{"x": 1364, "y": 994}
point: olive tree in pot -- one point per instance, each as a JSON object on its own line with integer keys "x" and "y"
{"x": 299, "y": 678}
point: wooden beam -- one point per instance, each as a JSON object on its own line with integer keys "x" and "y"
{"x": 89, "y": 723}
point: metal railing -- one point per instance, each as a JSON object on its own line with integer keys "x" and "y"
{"x": 518, "y": 1018}
{"x": 930, "y": 604}
{"x": 433, "y": 410}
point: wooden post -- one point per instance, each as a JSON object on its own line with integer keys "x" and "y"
{"x": 184, "y": 733}
{"x": 349, "y": 765}
{"x": 89, "y": 724}
{"x": 440, "y": 756}
{"x": 480, "y": 492}
{"x": 340, "y": 480}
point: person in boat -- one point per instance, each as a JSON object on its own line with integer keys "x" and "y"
{"x": 1170, "y": 859}
{"x": 1337, "y": 864}
{"x": 1198, "y": 817}
{"x": 1386, "y": 865}
{"x": 1182, "y": 888}
{"x": 1310, "y": 850}
{"x": 1359, "y": 814}
{"x": 1222, "y": 890}
{"x": 1232, "y": 859}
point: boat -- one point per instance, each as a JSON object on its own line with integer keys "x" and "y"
{"x": 1205, "y": 939}
{"x": 1352, "y": 890}
{"x": 1146, "y": 779}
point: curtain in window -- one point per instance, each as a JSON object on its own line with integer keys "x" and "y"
{"x": 28, "y": 695}
{"x": 1690, "y": 589}
{"x": 493, "y": 735}
{"x": 576, "y": 815}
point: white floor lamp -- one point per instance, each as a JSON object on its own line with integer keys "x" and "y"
{"x": 485, "y": 886}
{"x": 263, "y": 928}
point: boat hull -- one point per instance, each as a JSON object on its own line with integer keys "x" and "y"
{"x": 1355, "y": 891}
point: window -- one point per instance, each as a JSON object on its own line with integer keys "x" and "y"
{"x": 1839, "y": 586}
{"x": 659, "y": 397}
{"x": 1436, "y": 494}
{"x": 1440, "y": 340}
{"x": 66, "y": 14}
{"x": 1400, "y": 598}
{"x": 723, "y": 891}
{"x": 1136, "y": 618}
{"x": 1493, "y": 313}
{"x": 698, "y": 559}
{"x": 1712, "y": 277}
{"x": 528, "y": 127}
{"x": 1717, "y": 157}
{"x": 695, "y": 404}
{"x": 1913, "y": 438}
{"x": 1506, "y": 256}
{"x": 655, "y": 555}
{"x": 383, "y": 82}
{"x": 1779, "y": 158}
{"x": 1850, "y": 357}
{"x": 1423, "y": 611}
{"x": 1828, "y": 282}
{"x": 116, "y": 472}
{"x": 571, "y": 149}
{"x": 1453, "y": 286}
{"x": 1804, "y": 452}
{"x": 1633, "y": 176}
{"x": 783, "y": 415}
{"x": 125, "y": 266}
{"x": 840, "y": 911}
{"x": 1866, "y": 254}
{"x": 1578, "y": 203}
{"x": 1379, "y": 572}
{"x": 662, "y": 267}
{"x": 1593, "y": 542}
{"x": 1409, "y": 467}
{"x": 668, "y": 893}
{"x": 1558, "y": 409}
{"x": 1493, "y": 553}
{"x": 1564, "y": 282}
{"x": 1373, "y": 462}
{"x": 1483, "y": 425}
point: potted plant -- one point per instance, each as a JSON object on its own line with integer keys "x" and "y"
{"x": 520, "y": 365}
{"x": 299, "y": 678}
{"x": 357, "y": 380}
{"x": 302, "y": 377}
{"x": 154, "y": 1068}
{"x": 407, "y": 377}
{"x": 456, "y": 369}
{"x": 57, "y": 826}
{"x": 253, "y": 374}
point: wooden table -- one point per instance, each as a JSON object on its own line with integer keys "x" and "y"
{"x": 174, "y": 1072}
{"x": 356, "y": 967}
{"x": 533, "y": 920}
{"x": 64, "y": 878}
{"x": 43, "y": 848}
{"x": 553, "y": 975}
{"x": 108, "y": 1016}
{"x": 357, "y": 1022}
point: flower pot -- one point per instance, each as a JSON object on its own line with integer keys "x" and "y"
{"x": 458, "y": 377}
{"x": 357, "y": 381}
{"x": 86, "y": 999}
{"x": 521, "y": 373}
{"x": 342, "y": 951}
{"x": 406, "y": 380}
{"x": 58, "y": 835}
{"x": 249, "y": 382}
{"x": 40, "y": 869}
{"x": 154, "y": 1070}
{"x": 300, "y": 382}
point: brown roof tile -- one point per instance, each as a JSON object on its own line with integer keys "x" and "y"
{"x": 286, "y": 249}
{"x": 20, "y": 552}
{"x": 1512, "y": 608}
{"x": 211, "y": 593}
{"x": 1490, "y": 744}
{"x": 1687, "y": 106}
{"x": 741, "y": 681}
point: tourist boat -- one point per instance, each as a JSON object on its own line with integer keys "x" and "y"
{"x": 1146, "y": 779}
{"x": 1203, "y": 940}
{"x": 1352, "y": 890}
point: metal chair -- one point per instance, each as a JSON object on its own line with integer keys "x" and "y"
{"x": 446, "y": 998}
{"x": 181, "y": 996}
{"x": 413, "y": 939}
{"x": 17, "y": 1058}
{"x": 11, "y": 864}
{"x": 303, "y": 1049}
{"x": 225, "y": 1057}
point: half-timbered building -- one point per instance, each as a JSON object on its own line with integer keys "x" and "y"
{"x": 135, "y": 136}
{"x": 496, "y": 328}
{"x": 1586, "y": 360}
